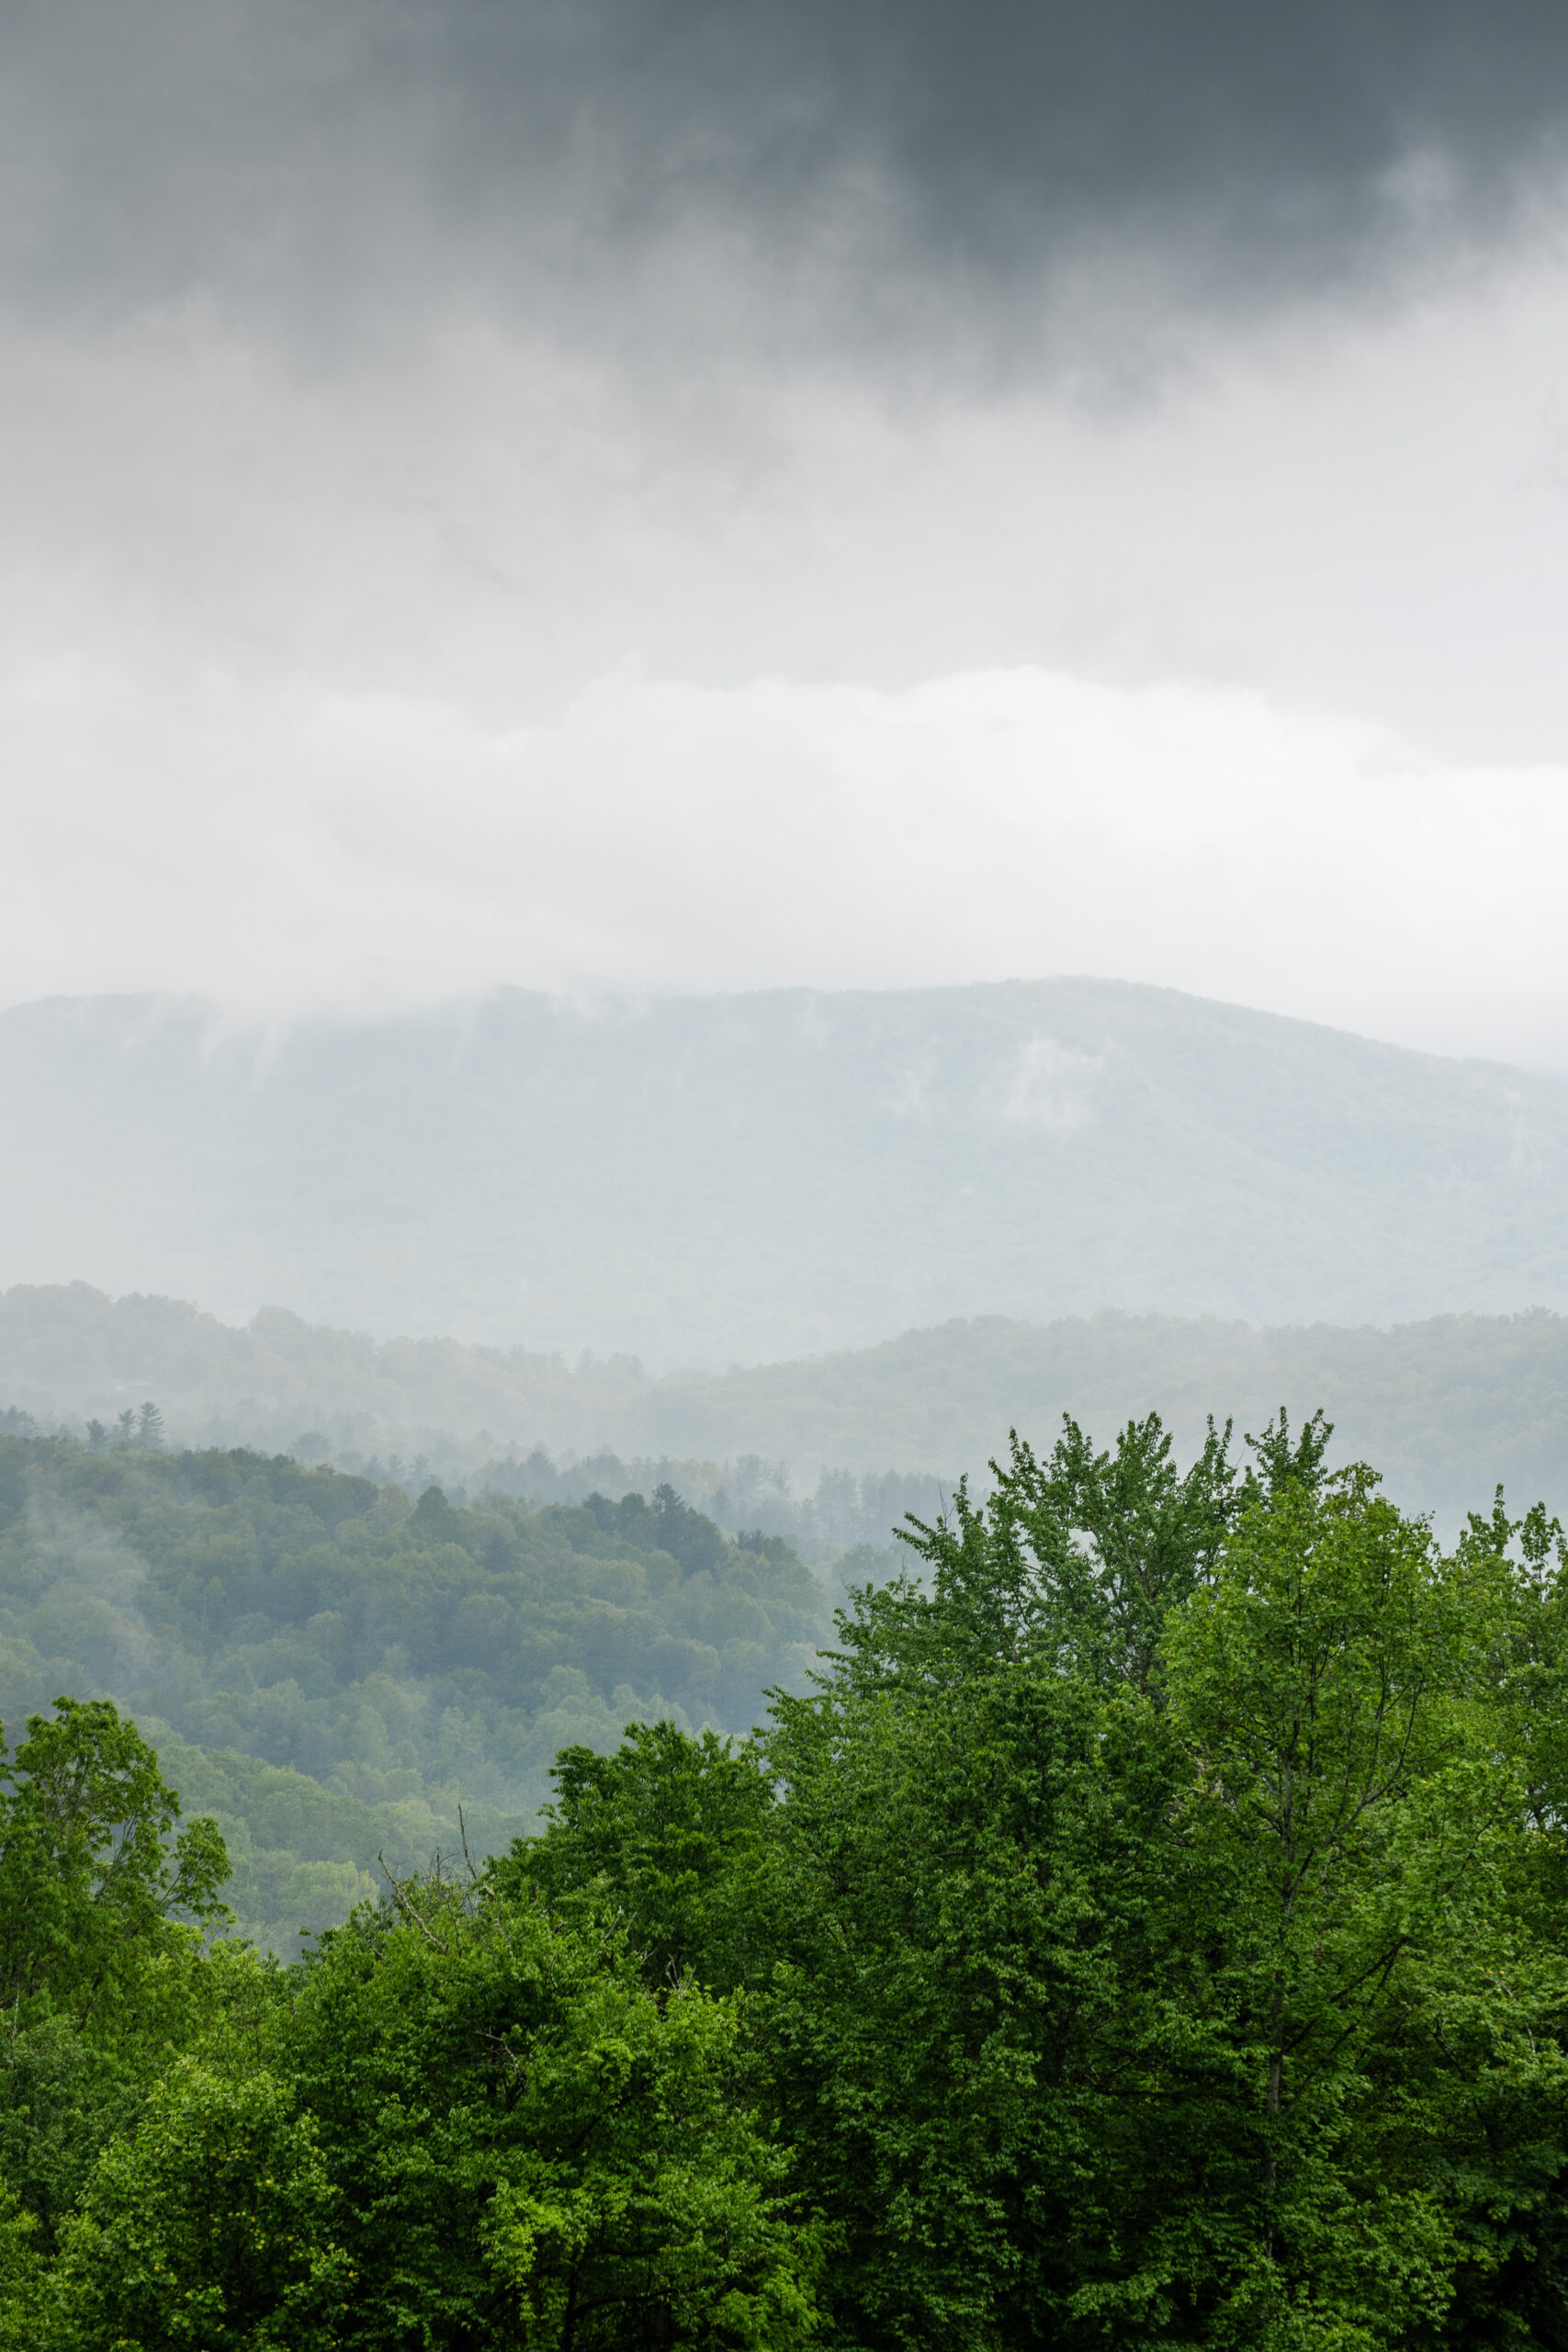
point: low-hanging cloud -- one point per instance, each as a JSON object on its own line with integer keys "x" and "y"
{"x": 671, "y": 837}
{"x": 682, "y": 496}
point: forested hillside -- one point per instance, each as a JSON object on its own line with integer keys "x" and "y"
{"x": 1151, "y": 1932}
{"x": 828, "y": 1451}
{"x": 734, "y": 1179}
{"x": 1445, "y": 1407}
{"x": 403, "y": 1656}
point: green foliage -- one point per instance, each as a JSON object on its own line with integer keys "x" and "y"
{"x": 402, "y": 1658}
{"x": 1147, "y": 1929}
{"x": 532, "y": 2146}
{"x": 1085, "y": 1553}
{"x": 969, "y": 1994}
{"x": 88, "y": 1884}
{"x": 21, "y": 2275}
{"x": 1349, "y": 1818}
{"x": 208, "y": 2229}
{"x": 671, "y": 1835}
{"x": 99, "y": 1971}
{"x": 1204, "y": 1996}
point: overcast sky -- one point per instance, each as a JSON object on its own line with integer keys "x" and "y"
{"x": 643, "y": 495}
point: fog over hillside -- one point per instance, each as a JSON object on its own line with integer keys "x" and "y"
{"x": 829, "y": 1450}
{"x": 711, "y": 1179}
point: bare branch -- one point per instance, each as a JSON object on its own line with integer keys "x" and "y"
{"x": 406, "y": 1907}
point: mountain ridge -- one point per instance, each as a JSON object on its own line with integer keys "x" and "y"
{"x": 1444, "y": 1407}
{"x": 707, "y": 1181}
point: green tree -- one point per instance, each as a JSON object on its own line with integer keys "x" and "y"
{"x": 982, "y": 1914}
{"x": 90, "y": 1883}
{"x": 669, "y": 1835}
{"x": 1353, "y": 1829}
{"x": 207, "y": 2229}
{"x": 1201, "y": 2003}
{"x": 1080, "y": 1556}
{"x": 21, "y": 2276}
{"x": 99, "y": 1961}
{"x": 532, "y": 2146}
{"x": 973, "y": 2002}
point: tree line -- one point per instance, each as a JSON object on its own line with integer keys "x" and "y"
{"x": 362, "y": 1660}
{"x": 1148, "y": 1929}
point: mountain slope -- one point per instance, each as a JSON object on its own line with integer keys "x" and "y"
{"x": 1445, "y": 1407}
{"x": 706, "y": 1180}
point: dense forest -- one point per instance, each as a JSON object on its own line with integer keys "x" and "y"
{"x": 335, "y": 1666}
{"x": 1148, "y": 1929}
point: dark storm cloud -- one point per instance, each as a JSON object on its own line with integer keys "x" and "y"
{"x": 871, "y": 157}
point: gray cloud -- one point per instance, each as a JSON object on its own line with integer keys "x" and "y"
{"x": 841, "y": 170}
{"x": 377, "y": 376}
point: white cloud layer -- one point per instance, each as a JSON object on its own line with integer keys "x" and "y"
{"x": 322, "y": 849}
{"x": 346, "y": 682}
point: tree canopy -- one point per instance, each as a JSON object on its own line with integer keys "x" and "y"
{"x": 1147, "y": 1928}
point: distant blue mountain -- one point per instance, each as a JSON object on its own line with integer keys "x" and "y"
{"x": 710, "y": 1180}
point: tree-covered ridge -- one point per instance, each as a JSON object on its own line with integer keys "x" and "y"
{"x": 1149, "y": 1931}
{"x": 802, "y": 1448}
{"x": 401, "y": 1655}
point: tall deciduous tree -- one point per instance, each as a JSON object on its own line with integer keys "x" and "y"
{"x": 1355, "y": 1831}
{"x": 101, "y": 1897}
{"x": 532, "y": 2148}
{"x": 93, "y": 1874}
{"x": 1163, "y": 1959}
{"x": 210, "y": 2224}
